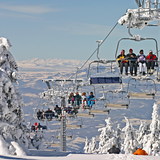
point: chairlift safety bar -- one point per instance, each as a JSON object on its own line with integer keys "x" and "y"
{"x": 105, "y": 80}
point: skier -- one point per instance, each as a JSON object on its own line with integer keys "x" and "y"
{"x": 141, "y": 59}
{"x": 71, "y": 99}
{"x": 84, "y": 99}
{"x": 58, "y": 110}
{"x": 39, "y": 114}
{"x": 140, "y": 151}
{"x": 78, "y": 99}
{"x": 114, "y": 150}
{"x": 122, "y": 62}
{"x": 151, "y": 60}
{"x": 90, "y": 100}
{"x": 49, "y": 114}
{"x": 132, "y": 62}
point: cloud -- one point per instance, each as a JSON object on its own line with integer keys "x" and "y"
{"x": 81, "y": 28}
{"x": 28, "y": 9}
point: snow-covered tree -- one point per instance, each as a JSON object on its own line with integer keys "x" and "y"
{"x": 129, "y": 138}
{"x": 142, "y": 132}
{"x": 118, "y": 136}
{"x": 152, "y": 141}
{"x": 86, "y": 147}
{"x": 13, "y": 132}
{"x": 93, "y": 146}
{"x": 107, "y": 137}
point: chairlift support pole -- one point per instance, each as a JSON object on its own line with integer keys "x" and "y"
{"x": 63, "y": 126}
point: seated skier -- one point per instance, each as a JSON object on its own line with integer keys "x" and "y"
{"x": 122, "y": 62}
{"x": 141, "y": 59}
{"x": 151, "y": 61}
{"x": 90, "y": 100}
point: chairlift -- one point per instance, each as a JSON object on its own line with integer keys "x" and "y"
{"x": 104, "y": 77}
{"x": 105, "y": 73}
{"x": 97, "y": 111}
{"x": 141, "y": 88}
{"x": 69, "y": 134}
{"x": 137, "y": 38}
{"x": 51, "y": 83}
{"x": 87, "y": 115}
{"x": 74, "y": 126}
{"x": 117, "y": 100}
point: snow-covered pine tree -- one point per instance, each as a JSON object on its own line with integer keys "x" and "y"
{"x": 86, "y": 146}
{"x": 152, "y": 141}
{"x": 118, "y": 136}
{"x": 12, "y": 129}
{"x": 130, "y": 142}
{"x": 107, "y": 137}
{"x": 142, "y": 132}
{"x": 92, "y": 146}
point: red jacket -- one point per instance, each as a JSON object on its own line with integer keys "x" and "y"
{"x": 151, "y": 57}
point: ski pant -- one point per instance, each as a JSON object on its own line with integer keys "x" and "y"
{"x": 91, "y": 102}
{"x": 121, "y": 65}
{"x": 150, "y": 65}
{"x": 133, "y": 67}
{"x": 142, "y": 67}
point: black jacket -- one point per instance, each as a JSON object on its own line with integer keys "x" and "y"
{"x": 114, "y": 150}
{"x": 131, "y": 57}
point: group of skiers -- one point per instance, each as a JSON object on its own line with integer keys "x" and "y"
{"x": 57, "y": 112}
{"x": 146, "y": 64}
{"x": 48, "y": 114}
{"x": 83, "y": 99}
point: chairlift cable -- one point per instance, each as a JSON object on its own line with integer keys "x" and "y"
{"x": 96, "y": 49}
{"x": 99, "y": 46}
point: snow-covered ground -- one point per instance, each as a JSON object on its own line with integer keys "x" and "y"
{"x": 30, "y": 85}
{"x": 83, "y": 157}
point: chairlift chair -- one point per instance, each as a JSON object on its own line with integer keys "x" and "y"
{"x": 141, "y": 88}
{"x": 104, "y": 77}
{"x": 87, "y": 115}
{"x": 96, "y": 111}
{"x": 138, "y": 38}
{"x": 117, "y": 100}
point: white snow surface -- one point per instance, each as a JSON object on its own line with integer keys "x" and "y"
{"x": 18, "y": 149}
{"x": 3, "y": 147}
{"x": 84, "y": 157}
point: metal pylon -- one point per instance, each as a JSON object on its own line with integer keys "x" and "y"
{"x": 63, "y": 126}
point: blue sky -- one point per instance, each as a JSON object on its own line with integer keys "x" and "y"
{"x": 66, "y": 29}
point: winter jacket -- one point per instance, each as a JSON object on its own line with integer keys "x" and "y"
{"x": 151, "y": 57}
{"x": 131, "y": 57}
{"x": 120, "y": 57}
{"x": 141, "y": 58}
{"x": 90, "y": 97}
{"x": 140, "y": 151}
{"x": 114, "y": 150}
